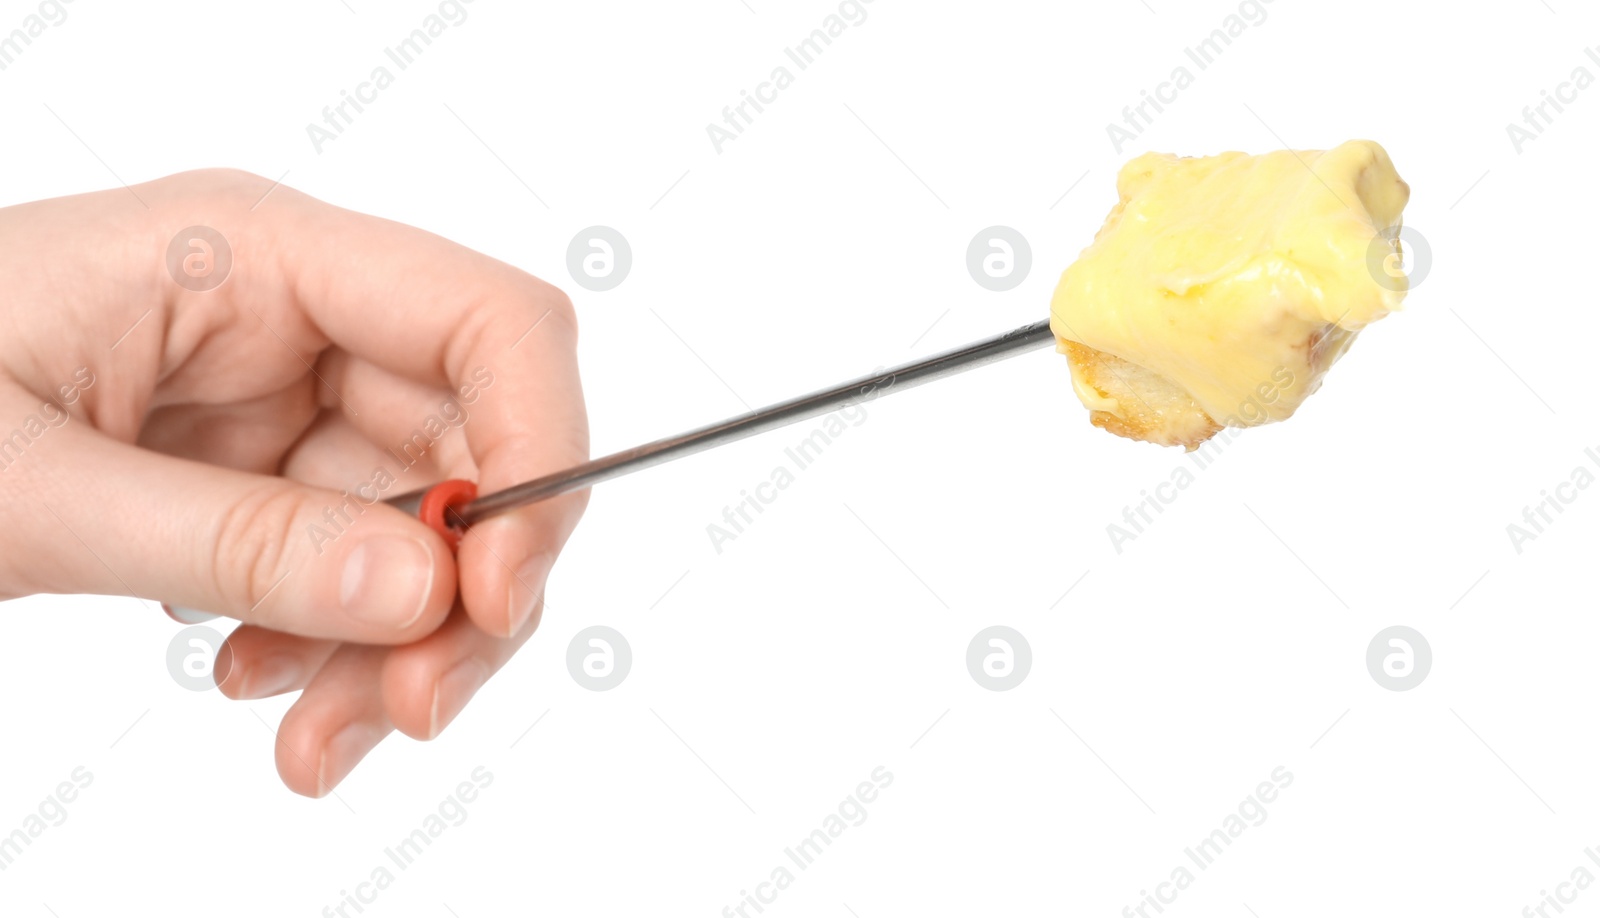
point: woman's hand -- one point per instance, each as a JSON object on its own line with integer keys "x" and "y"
{"x": 208, "y": 385}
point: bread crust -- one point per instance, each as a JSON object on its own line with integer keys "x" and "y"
{"x": 1150, "y": 407}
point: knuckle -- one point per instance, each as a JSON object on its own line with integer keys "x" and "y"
{"x": 253, "y": 546}
{"x": 555, "y": 306}
{"x": 237, "y": 185}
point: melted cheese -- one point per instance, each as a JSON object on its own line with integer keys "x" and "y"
{"x": 1222, "y": 288}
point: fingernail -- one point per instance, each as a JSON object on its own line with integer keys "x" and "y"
{"x": 186, "y": 616}
{"x": 526, "y": 589}
{"x": 386, "y": 581}
{"x": 454, "y": 690}
{"x": 276, "y": 674}
{"x": 343, "y": 752}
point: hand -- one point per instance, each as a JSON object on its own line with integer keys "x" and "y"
{"x": 190, "y": 445}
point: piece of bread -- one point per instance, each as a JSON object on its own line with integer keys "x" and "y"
{"x": 1220, "y": 289}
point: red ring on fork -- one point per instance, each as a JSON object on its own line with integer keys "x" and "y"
{"x": 443, "y": 497}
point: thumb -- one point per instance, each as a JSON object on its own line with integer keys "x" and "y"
{"x": 264, "y": 550}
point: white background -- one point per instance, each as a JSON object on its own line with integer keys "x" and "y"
{"x": 830, "y": 638}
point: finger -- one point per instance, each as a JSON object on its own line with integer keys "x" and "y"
{"x": 337, "y": 720}
{"x": 250, "y": 435}
{"x": 259, "y": 663}
{"x": 337, "y": 455}
{"x": 417, "y": 305}
{"x": 112, "y": 518}
{"x": 427, "y": 309}
{"x": 416, "y": 427}
{"x": 428, "y": 683}
{"x": 505, "y": 562}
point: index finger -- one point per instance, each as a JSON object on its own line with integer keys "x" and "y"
{"x": 429, "y": 309}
